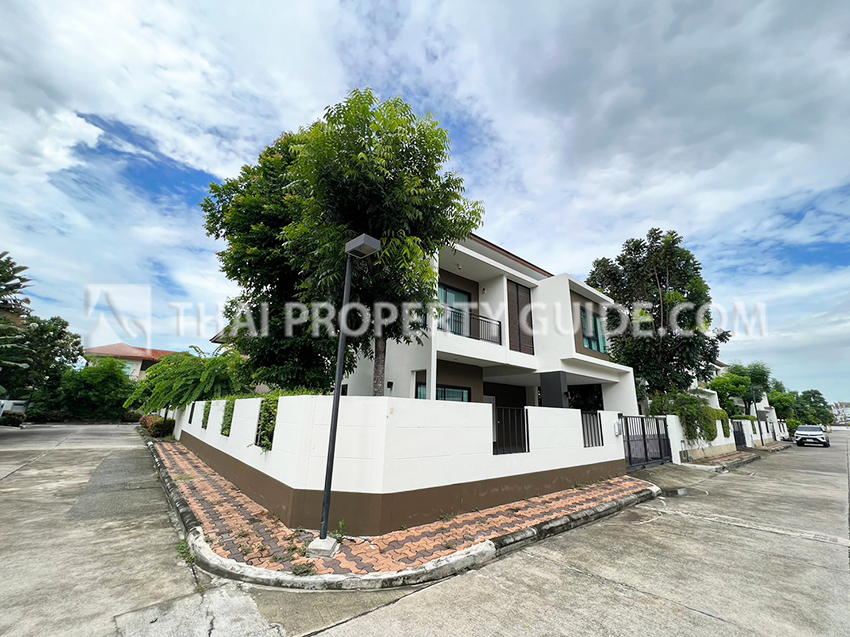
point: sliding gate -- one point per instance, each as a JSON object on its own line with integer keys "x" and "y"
{"x": 646, "y": 440}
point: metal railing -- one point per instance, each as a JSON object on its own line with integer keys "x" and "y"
{"x": 591, "y": 428}
{"x": 511, "y": 427}
{"x": 470, "y": 325}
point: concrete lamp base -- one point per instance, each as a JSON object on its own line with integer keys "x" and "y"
{"x": 322, "y": 548}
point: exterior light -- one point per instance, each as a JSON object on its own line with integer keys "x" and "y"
{"x": 362, "y": 246}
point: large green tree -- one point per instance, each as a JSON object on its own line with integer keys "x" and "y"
{"x": 96, "y": 391}
{"x": 660, "y": 272}
{"x": 812, "y": 408}
{"x": 13, "y": 300}
{"x": 377, "y": 168}
{"x": 250, "y": 214}
{"x": 14, "y": 354}
{"x": 729, "y": 386}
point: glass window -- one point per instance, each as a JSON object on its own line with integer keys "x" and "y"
{"x": 455, "y": 316}
{"x": 455, "y": 394}
{"x": 421, "y": 392}
{"x": 593, "y": 331}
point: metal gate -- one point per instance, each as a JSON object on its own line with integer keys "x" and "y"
{"x": 740, "y": 438}
{"x": 646, "y": 441}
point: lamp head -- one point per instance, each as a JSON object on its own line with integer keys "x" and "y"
{"x": 362, "y": 246}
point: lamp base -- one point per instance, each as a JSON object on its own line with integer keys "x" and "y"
{"x": 322, "y": 548}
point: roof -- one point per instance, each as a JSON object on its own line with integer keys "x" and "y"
{"x": 122, "y": 350}
{"x": 509, "y": 255}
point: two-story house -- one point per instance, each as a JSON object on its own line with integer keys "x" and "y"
{"x": 510, "y": 334}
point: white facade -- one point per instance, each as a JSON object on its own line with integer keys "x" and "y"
{"x": 490, "y": 367}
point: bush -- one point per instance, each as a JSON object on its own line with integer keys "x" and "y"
{"x": 228, "y": 417}
{"x": 12, "y": 419}
{"x": 207, "y": 407}
{"x": 792, "y": 425}
{"x": 96, "y": 391}
{"x": 698, "y": 418}
{"x": 57, "y": 415}
{"x": 131, "y": 416}
{"x": 162, "y": 428}
{"x": 723, "y": 417}
{"x": 149, "y": 421}
{"x": 265, "y": 423}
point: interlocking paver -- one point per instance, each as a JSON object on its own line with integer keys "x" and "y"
{"x": 238, "y": 528}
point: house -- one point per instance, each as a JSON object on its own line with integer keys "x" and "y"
{"x": 511, "y": 394}
{"x": 841, "y": 411}
{"x": 510, "y": 334}
{"x": 136, "y": 360}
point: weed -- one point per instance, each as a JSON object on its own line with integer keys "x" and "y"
{"x": 243, "y": 533}
{"x": 262, "y": 547}
{"x": 245, "y": 550}
{"x": 403, "y": 527}
{"x": 201, "y": 588}
{"x": 303, "y": 569}
{"x": 448, "y": 517}
{"x": 170, "y": 439}
{"x": 182, "y": 476}
{"x": 450, "y": 545}
{"x": 339, "y": 533}
{"x": 185, "y": 552}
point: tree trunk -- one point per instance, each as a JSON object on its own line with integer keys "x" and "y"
{"x": 380, "y": 366}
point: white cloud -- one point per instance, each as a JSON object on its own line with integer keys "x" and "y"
{"x": 591, "y": 120}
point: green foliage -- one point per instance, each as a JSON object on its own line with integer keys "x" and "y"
{"x": 149, "y": 420}
{"x": 659, "y": 271}
{"x": 376, "y": 168}
{"x": 12, "y": 285}
{"x": 303, "y": 568}
{"x": 206, "y": 419}
{"x": 339, "y": 533}
{"x": 698, "y": 418}
{"x": 131, "y": 416}
{"x": 782, "y": 402}
{"x": 812, "y": 408}
{"x": 50, "y": 350}
{"x": 96, "y": 391}
{"x": 227, "y": 421}
{"x": 185, "y": 552}
{"x": 266, "y": 423}
{"x": 731, "y": 385}
{"x": 12, "y": 419}
{"x": 162, "y": 428}
{"x": 792, "y": 425}
{"x": 182, "y": 378}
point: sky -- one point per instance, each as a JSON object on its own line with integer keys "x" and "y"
{"x": 578, "y": 124}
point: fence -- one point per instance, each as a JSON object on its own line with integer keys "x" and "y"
{"x": 591, "y": 429}
{"x": 511, "y": 430}
{"x": 646, "y": 440}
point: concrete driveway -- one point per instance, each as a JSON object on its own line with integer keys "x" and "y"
{"x": 87, "y": 549}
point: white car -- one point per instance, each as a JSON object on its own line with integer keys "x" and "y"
{"x": 811, "y": 434}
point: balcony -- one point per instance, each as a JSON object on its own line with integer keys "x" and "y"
{"x": 470, "y": 325}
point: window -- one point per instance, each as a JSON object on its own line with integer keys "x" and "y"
{"x": 519, "y": 298}
{"x": 421, "y": 391}
{"x": 593, "y": 331}
{"x": 456, "y": 303}
{"x": 455, "y": 394}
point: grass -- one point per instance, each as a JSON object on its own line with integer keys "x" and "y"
{"x": 183, "y": 477}
{"x": 448, "y": 517}
{"x": 303, "y": 569}
{"x": 185, "y": 552}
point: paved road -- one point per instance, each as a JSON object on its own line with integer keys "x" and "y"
{"x": 87, "y": 549}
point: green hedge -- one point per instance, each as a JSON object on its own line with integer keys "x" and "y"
{"x": 265, "y": 423}
{"x": 698, "y": 418}
{"x": 723, "y": 417}
{"x": 228, "y": 417}
{"x": 207, "y": 407}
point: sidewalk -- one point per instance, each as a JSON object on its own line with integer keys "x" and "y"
{"x": 239, "y": 529}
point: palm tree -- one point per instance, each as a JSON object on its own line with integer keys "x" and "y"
{"x": 13, "y": 302}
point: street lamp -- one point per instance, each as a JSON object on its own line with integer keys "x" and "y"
{"x": 359, "y": 248}
{"x": 755, "y": 409}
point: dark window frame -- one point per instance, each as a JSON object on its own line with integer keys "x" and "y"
{"x": 468, "y": 391}
{"x": 592, "y": 340}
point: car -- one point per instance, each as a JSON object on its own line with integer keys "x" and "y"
{"x": 811, "y": 434}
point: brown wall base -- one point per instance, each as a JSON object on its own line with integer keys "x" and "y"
{"x": 378, "y": 513}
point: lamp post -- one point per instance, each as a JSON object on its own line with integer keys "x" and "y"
{"x": 358, "y": 248}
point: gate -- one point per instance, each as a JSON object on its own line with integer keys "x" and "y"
{"x": 646, "y": 441}
{"x": 740, "y": 438}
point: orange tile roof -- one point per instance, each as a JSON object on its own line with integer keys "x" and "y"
{"x": 122, "y": 350}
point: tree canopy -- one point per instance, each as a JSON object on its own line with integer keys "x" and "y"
{"x": 660, "y": 272}
{"x": 182, "y": 378}
{"x": 96, "y": 391}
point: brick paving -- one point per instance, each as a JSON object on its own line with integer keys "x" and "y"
{"x": 238, "y": 528}
{"x": 739, "y": 457}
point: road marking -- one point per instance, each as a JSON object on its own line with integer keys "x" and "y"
{"x": 729, "y": 521}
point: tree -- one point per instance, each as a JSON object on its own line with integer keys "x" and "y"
{"x": 51, "y": 349}
{"x": 730, "y": 386}
{"x": 14, "y": 354}
{"x": 182, "y": 378}
{"x": 783, "y": 402}
{"x": 250, "y": 214}
{"x": 12, "y": 284}
{"x": 377, "y": 168}
{"x": 812, "y": 408}
{"x": 97, "y": 391}
{"x": 658, "y": 271}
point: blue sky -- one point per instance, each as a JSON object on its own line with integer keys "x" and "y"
{"x": 592, "y": 120}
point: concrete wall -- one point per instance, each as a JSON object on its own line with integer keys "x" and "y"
{"x": 685, "y": 450}
{"x": 440, "y": 454}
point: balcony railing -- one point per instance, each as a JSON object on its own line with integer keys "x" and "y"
{"x": 470, "y": 325}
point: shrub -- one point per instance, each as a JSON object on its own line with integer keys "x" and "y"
{"x": 150, "y": 420}
{"x": 12, "y": 419}
{"x": 265, "y": 423}
{"x": 131, "y": 416}
{"x": 792, "y": 425}
{"x": 207, "y": 407}
{"x": 228, "y": 417}
{"x": 57, "y": 415}
{"x": 96, "y": 391}
{"x": 723, "y": 417}
{"x": 698, "y": 418}
{"x": 162, "y": 428}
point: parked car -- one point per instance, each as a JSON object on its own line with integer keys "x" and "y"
{"x": 811, "y": 434}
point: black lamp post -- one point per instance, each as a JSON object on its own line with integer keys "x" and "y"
{"x": 358, "y": 248}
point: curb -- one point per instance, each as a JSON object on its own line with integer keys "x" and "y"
{"x": 776, "y": 449}
{"x": 442, "y": 567}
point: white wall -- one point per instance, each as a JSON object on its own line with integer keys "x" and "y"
{"x": 387, "y": 445}
{"x": 697, "y": 449}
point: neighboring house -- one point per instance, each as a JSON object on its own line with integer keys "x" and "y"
{"x": 136, "y": 360}
{"x": 476, "y": 351}
{"x": 841, "y": 411}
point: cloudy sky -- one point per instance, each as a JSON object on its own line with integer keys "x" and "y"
{"x": 579, "y": 124}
